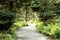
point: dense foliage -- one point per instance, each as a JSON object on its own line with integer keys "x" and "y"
{"x": 47, "y": 12}
{"x": 50, "y": 20}
{"x": 6, "y": 20}
{"x": 49, "y": 28}
{"x": 11, "y": 18}
{"x": 47, "y": 9}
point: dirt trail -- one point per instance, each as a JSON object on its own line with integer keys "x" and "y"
{"x": 30, "y": 33}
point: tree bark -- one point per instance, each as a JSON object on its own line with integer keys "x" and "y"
{"x": 11, "y": 5}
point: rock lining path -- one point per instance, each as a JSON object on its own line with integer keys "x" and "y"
{"x": 30, "y": 33}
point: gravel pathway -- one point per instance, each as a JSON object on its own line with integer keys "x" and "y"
{"x": 30, "y": 33}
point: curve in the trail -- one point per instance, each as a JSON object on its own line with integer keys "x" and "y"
{"x": 30, "y": 33}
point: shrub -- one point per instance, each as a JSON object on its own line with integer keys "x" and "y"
{"x": 16, "y": 26}
{"x": 47, "y": 16}
{"x": 57, "y": 34}
{"x": 6, "y": 37}
{"x": 50, "y": 28}
{"x": 6, "y": 20}
{"x": 20, "y": 23}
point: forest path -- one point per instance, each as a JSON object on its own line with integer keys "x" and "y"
{"x": 30, "y": 33}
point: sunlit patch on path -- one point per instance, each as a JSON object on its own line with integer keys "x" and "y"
{"x": 30, "y": 33}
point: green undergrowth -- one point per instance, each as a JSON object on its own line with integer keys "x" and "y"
{"x": 11, "y": 33}
{"x": 7, "y": 36}
{"x": 17, "y": 25}
{"x": 9, "y": 25}
{"x": 49, "y": 28}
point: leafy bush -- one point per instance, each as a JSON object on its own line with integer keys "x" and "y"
{"x": 6, "y": 20}
{"x": 20, "y": 23}
{"x": 7, "y": 23}
{"x": 50, "y": 28}
{"x": 16, "y": 26}
{"x": 57, "y": 34}
{"x": 46, "y": 16}
{"x": 6, "y": 37}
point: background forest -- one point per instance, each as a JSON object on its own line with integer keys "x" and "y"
{"x": 15, "y": 14}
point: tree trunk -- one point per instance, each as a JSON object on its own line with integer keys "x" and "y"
{"x": 11, "y": 6}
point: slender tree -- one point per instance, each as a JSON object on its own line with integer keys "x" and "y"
{"x": 11, "y": 5}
